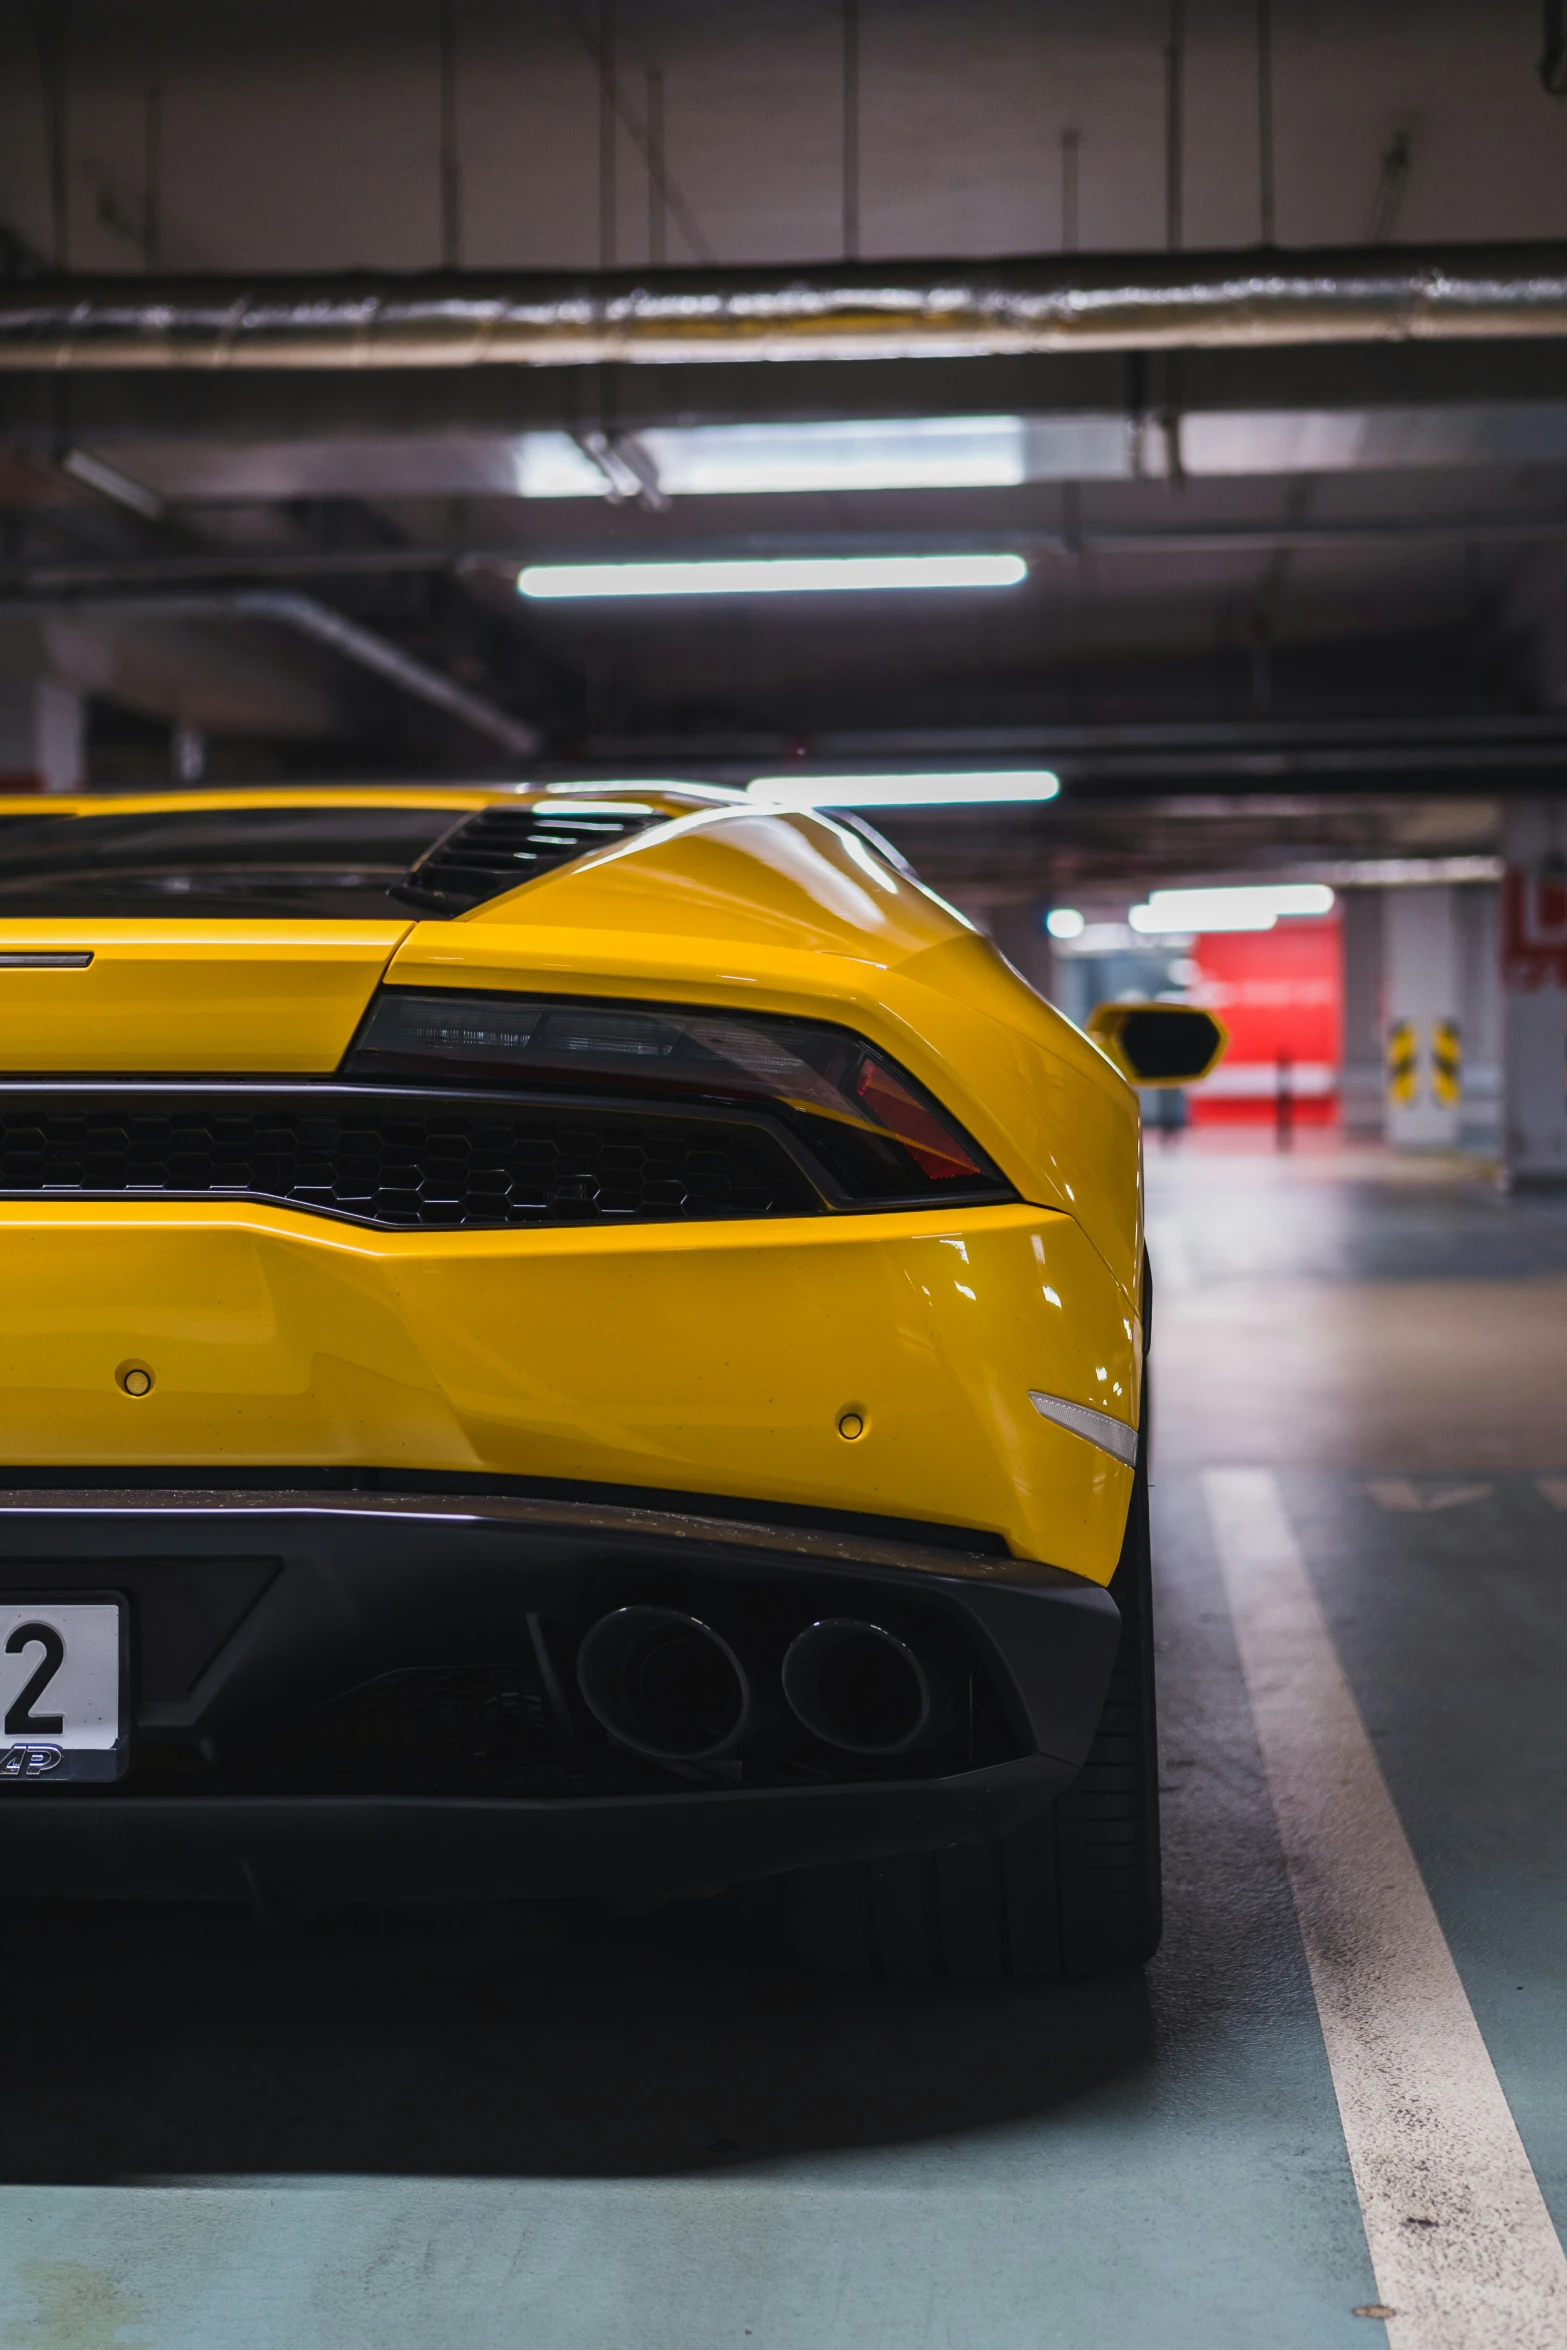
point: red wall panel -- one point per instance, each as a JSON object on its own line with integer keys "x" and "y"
{"x": 1280, "y": 992}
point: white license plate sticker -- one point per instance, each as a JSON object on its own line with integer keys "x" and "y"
{"x": 61, "y": 1690}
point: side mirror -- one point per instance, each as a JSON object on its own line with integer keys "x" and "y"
{"x": 1159, "y": 1044}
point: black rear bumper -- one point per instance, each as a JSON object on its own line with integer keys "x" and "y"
{"x": 259, "y": 1618}
{"x": 291, "y": 1856}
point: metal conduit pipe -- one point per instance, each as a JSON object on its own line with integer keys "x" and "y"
{"x": 306, "y": 617}
{"x": 936, "y": 310}
{"x": 59, "y": 581}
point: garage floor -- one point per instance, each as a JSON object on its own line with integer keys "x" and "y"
{"x": 515, "y": 2132}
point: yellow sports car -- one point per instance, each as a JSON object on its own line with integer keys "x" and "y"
{"x": 569, "y": 1342}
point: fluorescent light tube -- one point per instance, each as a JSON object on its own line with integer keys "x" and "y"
{"x": 906, "y": 791}
{"x": 771, "y": 575}
{"x": 771, "y": 460}
{"x": 1252, "y": 907}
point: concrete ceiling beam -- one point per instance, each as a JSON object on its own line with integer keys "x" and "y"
{"x": 104, "y": 408}
{"x": 302, "y": 616}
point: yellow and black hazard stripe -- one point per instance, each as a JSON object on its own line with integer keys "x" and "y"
{"x": 1447, "y": 1064}
{"x": 1403, "y": 1063}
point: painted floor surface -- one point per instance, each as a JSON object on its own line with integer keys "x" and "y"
{"x": 529, "y": 2132}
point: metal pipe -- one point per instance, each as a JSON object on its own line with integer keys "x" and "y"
{"x": 921, "y": 310}
{"x": 308, "y": 618}
{"x": 58, "y": 580}
{"x": 1449, "y": 752}
{"x": 380, "y": 655}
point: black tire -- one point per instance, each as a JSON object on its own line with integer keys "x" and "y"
{"x": 1074, "y": 1892}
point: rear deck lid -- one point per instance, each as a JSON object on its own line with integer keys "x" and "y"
{"x": 233, "y": 938}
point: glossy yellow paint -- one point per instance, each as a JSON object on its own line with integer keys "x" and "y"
{"x": 794, "y": 913}
{"x": 693, "y": 1358}
{"x": 701, "y": 1358}
{"x": 458, "y": 797}
{"x": 237, "y": 996}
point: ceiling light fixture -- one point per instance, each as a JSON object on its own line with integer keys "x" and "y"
{"x": 771, "y": 575}
{"x": 1256, "y": 907}
{"x": 983, "y": 788}
{"x": 772, "y": 460}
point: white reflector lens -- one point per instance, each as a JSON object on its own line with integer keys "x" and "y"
{"x": 1111, "y": 1435}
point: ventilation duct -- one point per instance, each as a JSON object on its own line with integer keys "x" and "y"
{"x": 909, "y": 311}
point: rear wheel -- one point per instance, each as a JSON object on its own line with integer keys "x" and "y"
{"x": 1074, "y": 1892}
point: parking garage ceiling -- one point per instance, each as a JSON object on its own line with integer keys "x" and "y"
{"x": 317, "y": 324}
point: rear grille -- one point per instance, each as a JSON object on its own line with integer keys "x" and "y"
{"x": 502, "y": 847}
{"x": 424, "y": 1730}
{"x": 403, "y": 1161}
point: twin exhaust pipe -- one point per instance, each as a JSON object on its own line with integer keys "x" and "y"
{"x": 668, "y": 1686}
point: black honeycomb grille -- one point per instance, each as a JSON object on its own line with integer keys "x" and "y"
{"x": 407, "y": 1162}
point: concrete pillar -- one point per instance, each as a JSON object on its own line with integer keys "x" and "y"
{"x": 1534, "y": 975}
{"x": 42, "y": 734}
{"x": 1363, "y": 1113}
{"x": 1422, "y": 976}
{"x": 1478, "y": 909}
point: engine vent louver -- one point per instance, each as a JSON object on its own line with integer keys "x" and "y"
{"x": 500, "y": 848}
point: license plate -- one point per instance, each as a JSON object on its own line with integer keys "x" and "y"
{"x": 62, "y": 1691}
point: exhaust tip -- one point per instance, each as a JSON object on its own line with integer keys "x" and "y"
{"x": 858, "y": 1687}
{"x": 663, "y": 1684}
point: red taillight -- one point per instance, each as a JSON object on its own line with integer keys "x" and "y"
{"x": 865, "y": 1130}
{"x": 933, "y": 1146}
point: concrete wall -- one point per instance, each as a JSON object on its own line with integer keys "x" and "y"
{"x": 42, "y": 734}
{"x": 312, "y": 137}
{"x": 1534, "y": 964}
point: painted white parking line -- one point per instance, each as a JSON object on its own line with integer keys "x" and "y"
{"x": 1554, "y": 1490}
{"x": 1462, "y": 2245}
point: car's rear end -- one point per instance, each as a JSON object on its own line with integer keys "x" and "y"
{"x": 563, "y": 1344}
